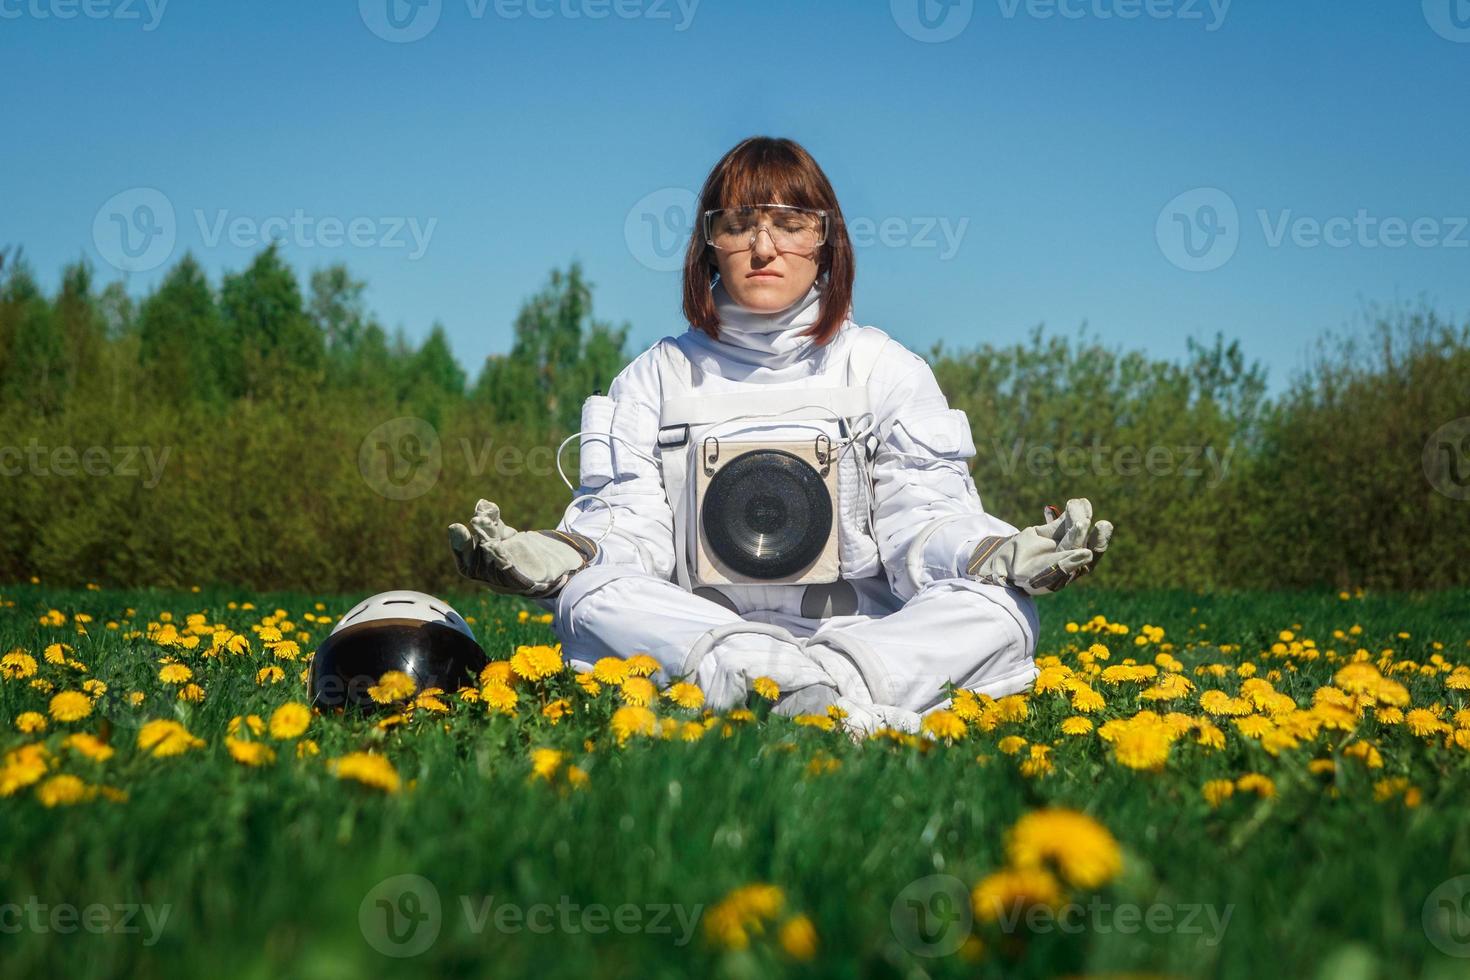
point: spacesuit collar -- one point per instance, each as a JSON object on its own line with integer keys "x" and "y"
{"x": 766, "y": 339}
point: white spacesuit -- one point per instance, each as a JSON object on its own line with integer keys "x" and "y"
{"x": 885, "y": 610}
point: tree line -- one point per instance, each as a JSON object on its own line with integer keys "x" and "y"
{"x": 230, "y": 432}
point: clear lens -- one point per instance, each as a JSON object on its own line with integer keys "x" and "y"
{"x": 792, "y": 229}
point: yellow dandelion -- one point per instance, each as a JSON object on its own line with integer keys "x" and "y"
{"x": 610, "y": 670}
{"x": 545, "y": 763}
{"x": 499, "y": 697}
{"x": 685, "y": 695}
{"x": 798, "y": 937}
{"x": 1084, "y": 851}
{"x": 62, "y": 790}
{"x": 588, "y": 683}
{"x": 1076, "y": 725}
{"x": 366, "y": 768}
{"x": 631, "y": 720}
{"x": 1217, "y": 791}
{"x": 943, "y": 724}
{"x": 1254, "y": 782}
{"x": 289, "y": 721}
{"x": 17, "y": 665}
{"x": 730, "y": 921}
{"x": 30, "y": 722}
{"x": 164, "y": 737}
{"x": 1011, "y": 891}
{"x": 175, "y": 673}
{"x": 191, "y": 692}
{"x": 394, "y": 685}
{"x": 88, "y": 745}
{"x": 70, "y": 706}
{"x": 766, "y": 688}
{"x": 250, "y": 753}
{"x": 554, "y": 711}
{"x": 639, "y": 691}
{"x": 642, "y": 665}
{"x": 269, "y": 675}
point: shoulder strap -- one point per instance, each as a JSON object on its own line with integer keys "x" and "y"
{"x": 867, "y": 344}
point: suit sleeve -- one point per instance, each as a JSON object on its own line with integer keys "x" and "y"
{"x": 928, "y": 517}
{"x": 632, "y": 502}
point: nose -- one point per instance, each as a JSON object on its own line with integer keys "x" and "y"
{"x": 764, "y": 247}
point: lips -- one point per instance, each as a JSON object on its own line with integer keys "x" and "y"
{"x": 763, "y": 275}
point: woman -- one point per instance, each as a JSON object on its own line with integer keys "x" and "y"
{"x": 781, "y": 493}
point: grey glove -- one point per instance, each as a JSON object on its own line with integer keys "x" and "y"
{"x": 511, "y": 562}
{"x": 1045, "y": 558}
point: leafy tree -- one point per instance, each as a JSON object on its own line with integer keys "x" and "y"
{"x": 559, "y": 356}
{"x": 181, "y": 339}
{"x": 272, "y": 348}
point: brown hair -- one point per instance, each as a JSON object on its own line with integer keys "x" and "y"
{"x": 766, "y": 170}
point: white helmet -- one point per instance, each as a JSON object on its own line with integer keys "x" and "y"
{"x": 405, "y": 631}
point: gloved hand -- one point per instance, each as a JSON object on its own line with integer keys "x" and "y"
{"x": 511, "y": 562}
{"x": 1047, "y": 557}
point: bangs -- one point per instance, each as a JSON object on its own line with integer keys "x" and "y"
{"x": 767, "y": 175}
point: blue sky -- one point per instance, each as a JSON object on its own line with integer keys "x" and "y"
{"x": 1157, "y": 169}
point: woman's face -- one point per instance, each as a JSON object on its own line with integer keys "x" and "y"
{"x": 763, "y": 280}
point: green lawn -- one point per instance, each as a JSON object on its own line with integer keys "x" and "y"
{"x": 208, "y": 866}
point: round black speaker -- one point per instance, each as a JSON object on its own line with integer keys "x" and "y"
{"x": 353, "y": 658}
{"x": 767, "y": 514}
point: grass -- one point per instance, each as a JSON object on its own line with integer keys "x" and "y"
{"x": 279, "y": 870}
